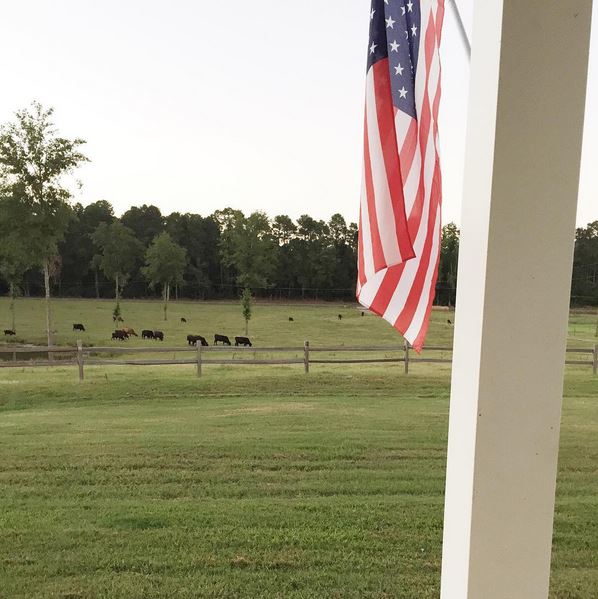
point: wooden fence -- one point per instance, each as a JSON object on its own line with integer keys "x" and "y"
{"x": 81, "y": 356}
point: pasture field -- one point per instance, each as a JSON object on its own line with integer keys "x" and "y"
{"x": 269, "y": 325}
{"x": 251, "y": 481}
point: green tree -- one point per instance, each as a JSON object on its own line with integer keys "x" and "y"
{"x": 34, "y": 161}
{"x": 229, "y": 222}
{"x": 145, "y": 221}
{"x": 200, "y": 237}
{"x": 251, "y": 250}
{"x": 246, "y": 301}
{"x": 118, "y": 253}
{"x": 15, "y": 251}
{"x": 283, "y": 229}
{"x": 314, "y": 259}
{"x": 584, "y": 284}
{"x": 165, "y": 263}
{"x": 79, "y": 272}
{"x": 447, "y": 268}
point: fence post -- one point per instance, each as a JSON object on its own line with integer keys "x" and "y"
{"x": 595, "y": 356}
{"x": 199, "y": 358}
{"x": 306, "y": 356}
{"x": 406, "y": 356}
{"x": 80, "y": 358}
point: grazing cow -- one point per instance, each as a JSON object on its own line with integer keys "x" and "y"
{"x": 194, "y": 339}
{"x": 120, "y": 335}
{"x": 222, "y": 338}
{"x": 183, "y": 319}
{"x": 130, "y": 332}
{"x": 291, "y": 319}
{"x": 159, "y": 335}
{"x": 78, "y": 327}
{"x": 448, "y": 321}
{"x": 147, "y": 334}
{"x": 340, "y": 316}
{"x": 9, "y": 332}
{"x": 244, "y": 341}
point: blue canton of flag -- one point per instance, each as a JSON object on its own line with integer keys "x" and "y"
{"x": 394, "y": 34}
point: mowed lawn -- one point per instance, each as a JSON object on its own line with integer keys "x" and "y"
{"x": 251, "y": 481}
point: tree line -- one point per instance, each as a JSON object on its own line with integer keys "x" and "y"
{"x": 50, "y": 247}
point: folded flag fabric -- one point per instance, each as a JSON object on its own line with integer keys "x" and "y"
{"x": 399, "y": 223}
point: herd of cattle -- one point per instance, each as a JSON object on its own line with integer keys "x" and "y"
{"x": 126, "y": 332}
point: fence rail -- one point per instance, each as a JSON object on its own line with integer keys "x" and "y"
{"x": 82, "y": 356}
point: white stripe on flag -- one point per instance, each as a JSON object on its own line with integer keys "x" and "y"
{"x": 418, "y": 318}
{"x": 382, "y": 197}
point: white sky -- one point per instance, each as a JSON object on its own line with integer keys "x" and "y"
{"x": 194, "y": 105}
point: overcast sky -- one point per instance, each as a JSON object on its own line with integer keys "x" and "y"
{"x": 194, "y": 105}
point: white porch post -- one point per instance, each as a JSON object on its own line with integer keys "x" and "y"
{"x": 527, "y": 98}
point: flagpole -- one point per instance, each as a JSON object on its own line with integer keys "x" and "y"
{"x": 464, "y": 37}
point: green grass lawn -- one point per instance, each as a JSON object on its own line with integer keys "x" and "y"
{"x": 251, "y": 481}
{"x": 269, "y": 325}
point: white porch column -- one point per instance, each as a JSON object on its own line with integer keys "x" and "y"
{"x": 526, "y": 110}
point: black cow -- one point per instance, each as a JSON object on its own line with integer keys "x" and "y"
{"x": 193, "y": 339}
{"x": 291, "y": 319}
{"x": 363, "y": 313}
{"x": 244, "y": 341}
{"x": 78, "y": 327}
{"x": 340, "y": 316}
{"x": 448, "y": 321}
{"x": 159, "y": 335}
{"x": 9, "y": 332}
{"x": 183, "y": 319}
{"x": 147, "y": 334}
{"x": 222, "y": 338}
{"x": 120, "y": 335}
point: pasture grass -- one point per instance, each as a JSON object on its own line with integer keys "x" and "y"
{"x": 269, "y": 325}
{"x": 250, "y": 482}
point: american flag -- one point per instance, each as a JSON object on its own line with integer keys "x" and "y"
{"x": 399, "y": 223}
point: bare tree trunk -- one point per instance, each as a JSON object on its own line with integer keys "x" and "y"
{"x": 166, "y": 296}
{"x": 117, "y": 290}
{"x": 12, "y": 306}
{"x": 48, "y": 307}
{"x": 246, "y": 328}
{"x": 97, "y": 283}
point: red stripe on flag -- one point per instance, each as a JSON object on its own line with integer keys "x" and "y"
{"x": 377, "y": 251}
{"x": 388, "y": 139}
{"x": 419, "y": 340}
{"x": 413, "y": 146}
{"x": 360, "y": 260}
{"x": 406, "y": 316}
{"x": 408, "y": 150}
